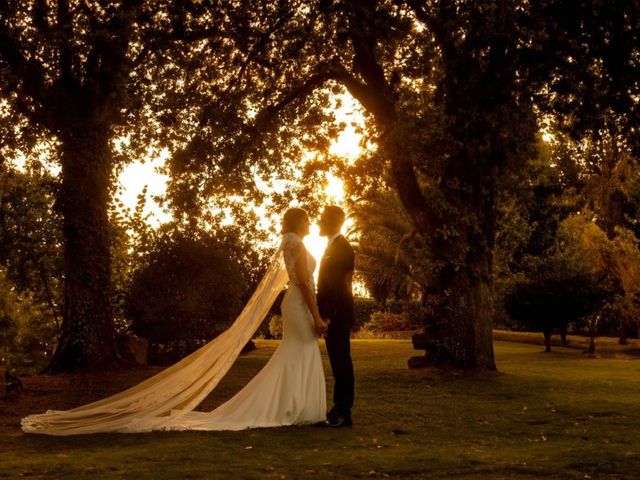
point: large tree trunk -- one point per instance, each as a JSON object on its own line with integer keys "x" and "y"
{"x": 88, "y": 338}
{"x": 465, "y": 310}
{"x": 461, "y": 237}
{"x": 465, "y": 319}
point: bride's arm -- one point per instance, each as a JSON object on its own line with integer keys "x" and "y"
{"x": 302, "y": 274}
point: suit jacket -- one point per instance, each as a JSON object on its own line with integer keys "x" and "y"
{"x": 335, "y": 296}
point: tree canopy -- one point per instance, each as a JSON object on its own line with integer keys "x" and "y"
{"x": 239, "y": 93}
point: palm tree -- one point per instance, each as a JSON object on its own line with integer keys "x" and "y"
{"x": 392, "y": 261}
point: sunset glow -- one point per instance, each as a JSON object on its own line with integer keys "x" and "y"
{"x": 133, "y": 179}
{"x": 136, "y": 175}
{"x": 347, "y": 146}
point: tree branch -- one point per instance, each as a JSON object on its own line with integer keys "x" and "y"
{"x": 39, "y": 16}
{"x": 375, "y": 95}
{"x": 302, "y": 91}
{"x": 417, "y": 7}
{"x": 369, "y": 97}
{"x": 255, "y": 50}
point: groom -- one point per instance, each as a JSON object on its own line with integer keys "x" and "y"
{"x": 335, "y": 302}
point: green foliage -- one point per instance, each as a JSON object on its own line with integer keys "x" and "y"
{"x": 398, "y": 320}
{"x": 363, "y": 308}
{"x": 239, "y": 92}
{"x": 589, "y": 52}
{"x": 73, "y": 79}
{"x": 391, "y": 259}
{"x": 570, "y": 179}
{"x": 131, "y": 238}
{"x": 26, "y": 332}
{"x": 388, "y": 321}
{"x": 189, "y": 288}
{"x": 31, "y": 234}
{"x": 584, "y": 274}
{"x": 31, "y": 265}
{"x": 9, "y": 316}
{"x": 615, "y": 263}
{"x": 531, "y": 203}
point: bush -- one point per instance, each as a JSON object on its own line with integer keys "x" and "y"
{"x": 419, "y": 316}
{"x": 188, "y": 291}
{"x": 26, "y": 330}
{"x": 31, "y": 259}
{"x": 363, "y": 308}
{"x": 365, "y": 334}
{"x": 584, "y": 275}
{"x": 388, "y": 322}
{"x": 542, "y": 304}
{"x": 275, "y": 326}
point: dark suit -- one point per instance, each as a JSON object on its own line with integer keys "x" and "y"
{"x": 335, "y": 302}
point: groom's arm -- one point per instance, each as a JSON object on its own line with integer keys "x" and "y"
{"x": 344, "y": 275}
{"x": 348, "y": 267}
{"x": 342, "y": 286}
{"x": 336, "y": 289}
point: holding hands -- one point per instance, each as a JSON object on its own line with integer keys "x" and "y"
{"x": 321, "y": 325}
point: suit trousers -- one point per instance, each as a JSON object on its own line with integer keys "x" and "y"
{"x": 339, "y": 350}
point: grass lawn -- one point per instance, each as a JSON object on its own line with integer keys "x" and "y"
{"x": 555, "y": 416}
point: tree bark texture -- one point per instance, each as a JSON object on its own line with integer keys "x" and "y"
{"x": 88, "y": 338}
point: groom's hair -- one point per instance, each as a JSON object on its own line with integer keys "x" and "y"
{"x": 336, "y": 214}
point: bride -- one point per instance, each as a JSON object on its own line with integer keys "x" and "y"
{"x": 289, "y": 390}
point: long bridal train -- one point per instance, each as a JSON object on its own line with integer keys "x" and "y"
{"x": 289, "y": 390}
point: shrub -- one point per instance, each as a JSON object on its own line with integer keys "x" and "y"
{"x": 573, "y": 280}
{"x": 188, "y": 290}
{"x": 388, "y": 322}
{"x": 541, "y": 304}
{"x": 363, "y": 308}
{"x": 26, "y": 330}
{"x": 419, "y": 316}
{"x": 275, "y": 326}
{"x": 365, "y": 334}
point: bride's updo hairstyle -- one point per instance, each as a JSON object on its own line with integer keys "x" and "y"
{"x": 292, "y": 218}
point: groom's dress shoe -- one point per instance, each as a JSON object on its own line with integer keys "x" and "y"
{"x": 337, "y": 421}
{"x": 333, "y": 413}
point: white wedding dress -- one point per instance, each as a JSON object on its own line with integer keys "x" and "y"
{"x": 289, "y": 390}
